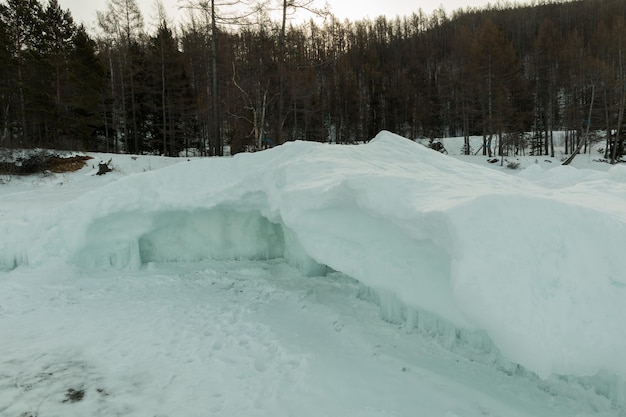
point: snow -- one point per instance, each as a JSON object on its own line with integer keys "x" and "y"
{"x": 252, "y": 285}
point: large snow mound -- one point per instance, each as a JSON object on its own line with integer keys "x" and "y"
{"x": 538, "y": 268}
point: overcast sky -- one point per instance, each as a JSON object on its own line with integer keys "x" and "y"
{"x": 84, "y": 11}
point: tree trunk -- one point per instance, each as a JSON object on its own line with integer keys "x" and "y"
{"x": 607, "y": 118}
{"x": 586, "y": 138}
{"x": 620, "y": 117}
{"x": 216, "y": 143}
{"x": 163, "y": 99}
{"x": 281, "y": 76}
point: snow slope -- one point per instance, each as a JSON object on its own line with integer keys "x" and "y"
{"x": 239, "y": 338}
{"x": 521, "y": 269}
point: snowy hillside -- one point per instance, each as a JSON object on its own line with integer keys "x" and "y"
{"x": 492, "y": 276}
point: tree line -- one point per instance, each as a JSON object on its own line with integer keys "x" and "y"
{"x": 513, "y": 74}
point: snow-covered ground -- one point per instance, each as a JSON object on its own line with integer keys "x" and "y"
{"x": 313, "y": 280}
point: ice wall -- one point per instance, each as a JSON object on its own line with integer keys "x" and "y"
{"x": 537, "y": 270}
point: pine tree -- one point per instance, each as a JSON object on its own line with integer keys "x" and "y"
{"x": 22, "y": 22}
{"x": 546, "y": 68}
{"x": 123, "y": 23}
{"x": 58, "y": 31}
{"x": 6, "y": 83}
{"x": 85, "y": 91}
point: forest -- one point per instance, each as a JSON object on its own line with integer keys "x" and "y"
{"x": 513, "y": 74}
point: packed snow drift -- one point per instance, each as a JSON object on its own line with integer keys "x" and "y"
{"x": 527, "y": 269}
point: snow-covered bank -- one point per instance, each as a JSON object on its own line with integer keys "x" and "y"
{"x": 537, "y": 269}
{"x": 241, "y": 339}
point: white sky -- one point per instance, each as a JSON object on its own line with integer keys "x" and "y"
{"x": 85, "y": 10}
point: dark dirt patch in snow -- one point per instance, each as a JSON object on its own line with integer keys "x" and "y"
{"x": 35, "y": 161}
{"x": 74, "y": 395}
{"x": 29, "y": 386}
{"x": 70, "y": 164}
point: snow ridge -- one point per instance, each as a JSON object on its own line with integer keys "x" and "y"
{"x": 530, "y": 272}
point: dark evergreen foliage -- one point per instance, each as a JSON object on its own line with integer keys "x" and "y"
{"x": 513, "y": 74}
{"x": 50, "y": 88}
